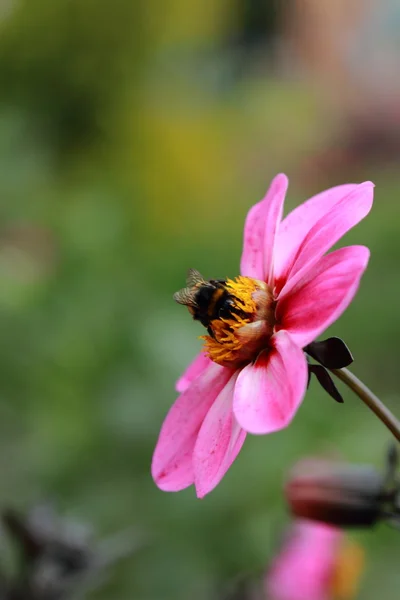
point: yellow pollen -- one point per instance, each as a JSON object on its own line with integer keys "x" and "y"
{"x": 348, "y": 569}
{"x": 227, "y": 346}
{"x": 242, "y": 289}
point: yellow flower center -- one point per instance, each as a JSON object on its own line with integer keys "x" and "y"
{"x": 239, "y": 334}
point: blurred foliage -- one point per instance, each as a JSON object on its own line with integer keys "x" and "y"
{"x": 66, "y": 62}
{"x": 167, "y": 148}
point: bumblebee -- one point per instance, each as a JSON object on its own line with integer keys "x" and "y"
{"x": 207, "y": 300}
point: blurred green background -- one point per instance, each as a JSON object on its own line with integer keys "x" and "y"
{"x": 134, "y": 137}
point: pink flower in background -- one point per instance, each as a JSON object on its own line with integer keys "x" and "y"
{"x": 316, "y": 563}
{"x": 304, "y": 568}
{"x": 252, "y": 375}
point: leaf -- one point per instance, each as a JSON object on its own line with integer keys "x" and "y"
{"x": 332, "y": 353}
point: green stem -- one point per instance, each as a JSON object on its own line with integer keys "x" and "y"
{"x": 372, "y": 401}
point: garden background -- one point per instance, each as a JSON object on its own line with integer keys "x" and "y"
{"x": 134, "y": 137}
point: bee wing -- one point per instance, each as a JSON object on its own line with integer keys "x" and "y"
{"x": 194, "y": 278}
{"x": 186, "y": 296}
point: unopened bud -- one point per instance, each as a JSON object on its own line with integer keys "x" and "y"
{"x": 336, "y": 493}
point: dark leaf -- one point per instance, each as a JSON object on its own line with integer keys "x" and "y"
{"x": 16, "y": 525}
{"x": 326, "y": 381}
{"x": 331, "y": 353}
{"x": 59, "y": 558}
{"x": 309, "y": 376}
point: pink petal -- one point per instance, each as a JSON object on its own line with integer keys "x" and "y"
{"x": 196, "y": 367}
{"x": 304, "y": 568}
{"x": 172, "y": 465}
{"x": 259, "y": 231}
{"x": 219, "y": 442}
{"x": 328, "y": 230}
{"x": 317, "y": 301}
{"x": 268, "y": 393}
{"x": 297, "y": 224}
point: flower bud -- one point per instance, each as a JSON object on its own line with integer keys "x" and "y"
{"x": 336, "y": 493}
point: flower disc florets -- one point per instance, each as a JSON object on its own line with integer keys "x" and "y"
{"x": 242, "y": 331}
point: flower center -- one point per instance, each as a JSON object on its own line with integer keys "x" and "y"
{"x": 239, "y": 315}
{"x": 243, "y": 325}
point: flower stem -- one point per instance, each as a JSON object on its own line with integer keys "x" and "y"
{"x": 372, "y": 401}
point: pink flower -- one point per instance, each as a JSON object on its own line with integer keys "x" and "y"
{"x": 289, "y": 292}
{"x": 316, "y": 563}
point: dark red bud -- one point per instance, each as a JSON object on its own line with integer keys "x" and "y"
{"x": 336, "y": 493}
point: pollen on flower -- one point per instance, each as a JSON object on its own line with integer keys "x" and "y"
{"x": 242, "y": 290}
{"x": 240, "y": 335}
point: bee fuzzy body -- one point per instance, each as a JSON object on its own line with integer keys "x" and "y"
{"x": 206, "y": 300}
